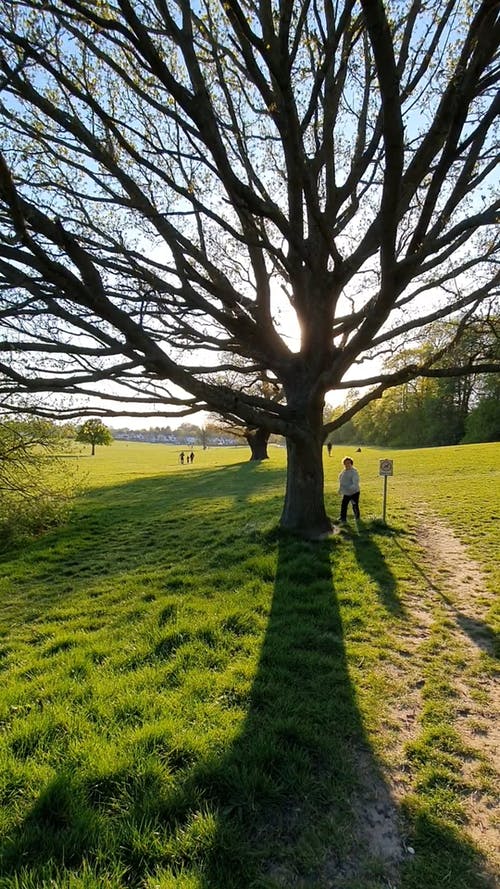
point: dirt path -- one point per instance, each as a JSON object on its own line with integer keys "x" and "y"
{"x": 458, "y": 583}
{"x": 451, "y": 582}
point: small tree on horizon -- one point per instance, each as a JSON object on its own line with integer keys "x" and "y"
{"x": 94, "y": 432}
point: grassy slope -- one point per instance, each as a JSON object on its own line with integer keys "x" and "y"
{"x": 187, "y": 694}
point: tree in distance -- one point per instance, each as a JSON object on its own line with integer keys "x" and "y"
{"x": 256, "y": 437}
{"x": 184, "y": 181}
{"x": 94, "y": 432}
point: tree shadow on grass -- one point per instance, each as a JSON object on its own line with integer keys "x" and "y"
{"x": 373, "y": 562}
{"x": 298, "y": 800}
{"x": 285, "y": 801}
{"x": 292, "y": 786}
{"x": 482, "y": 634}
{"x": 137, "y": 525}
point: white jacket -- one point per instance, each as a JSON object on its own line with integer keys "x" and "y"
{"x": 349, "y": 481}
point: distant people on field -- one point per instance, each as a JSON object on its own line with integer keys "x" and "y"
{"x": 349, "y": 488}
{"x": 191, "y": 457}
{"x": 329, "y": 447}
{"x": 181, "y": 456}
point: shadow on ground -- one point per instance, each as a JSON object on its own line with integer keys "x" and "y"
{"x": 319, "y": 838}
{"x": 481, "y": 633}
{"x": 302, "y": 729}
{"x": 373, "y": 562}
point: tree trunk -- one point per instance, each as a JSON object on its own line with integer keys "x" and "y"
{"x": 93, "y": 448}
{"x": 257, "y": 442}
{"x": 304, "y": 508}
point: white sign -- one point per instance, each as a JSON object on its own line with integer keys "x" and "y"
{"x": 385, "y": 467}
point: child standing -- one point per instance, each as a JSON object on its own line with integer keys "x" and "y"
{"x": 349, "y": 488}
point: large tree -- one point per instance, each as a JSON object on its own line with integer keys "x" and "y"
{"x": 177, "y": 179}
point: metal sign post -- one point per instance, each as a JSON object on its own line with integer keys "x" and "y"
{"x": 385, "y": 469}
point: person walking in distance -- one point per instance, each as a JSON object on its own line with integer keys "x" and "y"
{"x": 349, "y": 488}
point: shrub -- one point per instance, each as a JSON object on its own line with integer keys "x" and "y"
{"x": 34, "y": 496}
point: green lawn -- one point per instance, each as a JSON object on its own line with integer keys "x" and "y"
{"x": 192, "y": 700}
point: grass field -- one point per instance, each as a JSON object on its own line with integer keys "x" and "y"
{"x": 190, "y": 699}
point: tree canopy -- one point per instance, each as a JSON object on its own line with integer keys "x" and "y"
{"x": 179, "y": 180}
{"x": 94, "y": 432}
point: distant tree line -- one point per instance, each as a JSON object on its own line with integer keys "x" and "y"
{"x": 185, "y": 434}
{"x": 427, "y": 413}
{"x": 432, "y": 411}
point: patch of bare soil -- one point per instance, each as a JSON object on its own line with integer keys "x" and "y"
{"x": 459, "y": 584}
{"x": 453, "y": 581}
{"x": 378, "y": 827}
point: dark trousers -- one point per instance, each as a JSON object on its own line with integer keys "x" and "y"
{"x": 354, "y": 498}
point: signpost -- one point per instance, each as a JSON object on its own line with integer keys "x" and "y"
{"x": 385, "y": 469}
